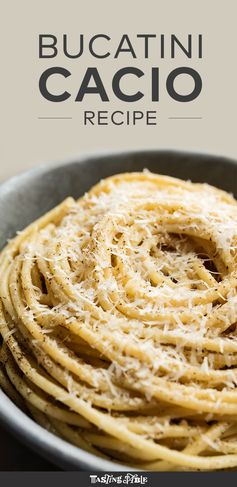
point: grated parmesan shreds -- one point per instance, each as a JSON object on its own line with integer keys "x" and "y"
{"x": 118, "y": 319}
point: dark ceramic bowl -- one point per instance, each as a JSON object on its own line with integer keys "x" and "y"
{"x": 27, "y": 196}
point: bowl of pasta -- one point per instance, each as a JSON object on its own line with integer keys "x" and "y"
{"x": 118, "y": 303}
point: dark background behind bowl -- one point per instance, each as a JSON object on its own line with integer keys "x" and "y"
{"x": 29, "y": 195}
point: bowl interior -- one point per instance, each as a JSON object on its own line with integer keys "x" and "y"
{"x": 29, "y": 195}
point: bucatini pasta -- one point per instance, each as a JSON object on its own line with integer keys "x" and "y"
{"x": 118, "y": 322}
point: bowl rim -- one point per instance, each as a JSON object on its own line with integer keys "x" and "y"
{"x": 49, "y": 166}
{"x": 51, "y": 447}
